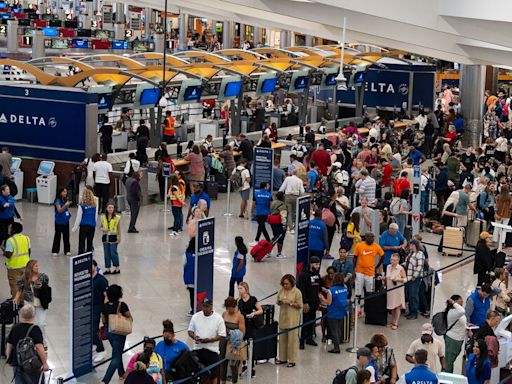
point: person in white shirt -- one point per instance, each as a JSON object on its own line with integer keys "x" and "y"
{"x": 102, "y": 177}
{"x": 245, "y": 188}
{"x": 299, "y": 149}
{"x": 433, "y": 346}
{"x": 292, "y": 187}
{"x": 132, "y": 165}
{"x": 422, "y": 120}
{"x": 207, "y": 328}
{"x": 208, "y": 143}
{"x": 456, "y": 333}
{"x": 374, "y": 132}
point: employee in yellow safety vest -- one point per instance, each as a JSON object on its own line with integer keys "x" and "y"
{"x": 169, "y": 132}
{"x": 110, "y": 223}
{"x": 17, "y": 251}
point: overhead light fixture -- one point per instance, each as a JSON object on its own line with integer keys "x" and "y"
{"x": 340, "y": 79}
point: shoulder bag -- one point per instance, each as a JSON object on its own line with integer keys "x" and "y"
{"x": 119, "y": 324}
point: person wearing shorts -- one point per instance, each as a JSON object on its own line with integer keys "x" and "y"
{"x": 245, "y": 189}
{"x": 365, "y": 254}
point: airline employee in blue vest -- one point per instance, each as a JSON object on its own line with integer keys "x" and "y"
{"x": 62, "y": 217}
{"x": 318, "y": 238}
{"x": 86, "y": 218}
{"x": 189, "y": 271}
{"x": 7, "y": 212}
{"x": 477, "y": 305}
{"x": 262, "y": 198}
{"x": 420, "y": 373}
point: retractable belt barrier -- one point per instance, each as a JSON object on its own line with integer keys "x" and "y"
{"x": 286, "y": 330}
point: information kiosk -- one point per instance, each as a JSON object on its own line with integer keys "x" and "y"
{"x": 46, "y": 182}
{"x": 17, "y": 177}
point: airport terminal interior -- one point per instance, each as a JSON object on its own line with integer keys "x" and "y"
{"x": 213, "y": 156}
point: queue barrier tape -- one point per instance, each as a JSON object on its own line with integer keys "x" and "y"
{"x": 285, "y": 330}
{"x": 457, "y": 248}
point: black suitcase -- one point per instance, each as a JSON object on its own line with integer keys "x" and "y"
{"x": 222, "y": 182}
{"x": 268, "y": 314}
{"x": 375, "y": 309}
{"x": 212, "y": 189}
{"x": 347, "y": 325}
{"x": 267, "y": 349}
{"x": 8, "y": 312}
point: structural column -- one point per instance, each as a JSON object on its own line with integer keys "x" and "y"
{"x": 472, "y": 87}
{"x": 227, "y": 38}
{"x": 159, "y": 43}
{"x": 309, "y": 41}
{"x": 147, "y": 21}
{"x": 241, "y": 31}
{"x": 119, "y": 31}
{"x": 257, "y": 36}
{"x": 37, "y": 44}
{"x": 284, "y": 39}
{"x": 12, "y": 35}
{"x": 183, "y": 29}
{"x": 214, "y": 23}
{"x": 119, "y": 13}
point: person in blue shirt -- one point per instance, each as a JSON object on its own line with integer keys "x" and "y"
{"x": 391, "y": 241}
{"x": 336, "y": 302}
{"x": 478, "y": 367}
{"x": 344, "y": 266}
{"x": 441, "y": 185}
{"x": 458, "y": 123}
{"x": 420, "y": 373}
{"x": 62, "y": 217}
{"x": 278, "y": 175}
{"x": 7, "y": 212}
{"x": 86, "y": 218}
{"x": 262, "y": 199}
{"x": 477, "y": 305}
{"x": 318, "y": 237}
{"x": 312, "y": 176}
{"x": 239, "y": 265}
{"x": 169, "y": 348}
{"x": 189, "y": 272}
{"x": 198, "y": 194}
{"x": 416, "y": 156}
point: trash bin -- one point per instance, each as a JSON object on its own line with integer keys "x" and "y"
{"x": 31, "y": 195}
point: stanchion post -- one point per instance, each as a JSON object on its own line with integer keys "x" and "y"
{"x": 249, "y": 362}
{"x": 166, "y": 187}
{"x": 228, "y": 203}
{"x": 353, "y": 349}
{"x": 432, "y": 293}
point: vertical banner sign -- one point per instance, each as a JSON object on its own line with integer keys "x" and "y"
{"x": 80, "y": 316}
{"x": 303, "y": 214}
{"x": 416, "y": 198}
{"x": 203, "y": 271}
{"x": 263, "y": 164}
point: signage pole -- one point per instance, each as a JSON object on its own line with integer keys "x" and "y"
{"x": 416, "y": 198}
{"x": 203, "y": 261}
{"x": 228, "y": 203}
{"x": 302, "y": 215}
{"x": 354, "y": 348}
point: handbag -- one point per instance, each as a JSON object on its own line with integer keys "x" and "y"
{"x": 274, "y": 218}
{"x": 239, "y": 354}
{"x": 119, "y": 324}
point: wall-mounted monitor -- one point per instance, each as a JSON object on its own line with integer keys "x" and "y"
{"x": 105, "y": 102}
{"x": 190, "y": 91}
{"x": 80, "y": 43}
{"x": 80, "y": 32}
{"x": 359, "y": 78}
{"x": 16, "y": 162}
{"x": 230, "y": 88}
{"x": 60, "y": 43}
{"x": 119, "y": 44}
{"x": 329, "y": 78}
{"x": 266, "y": 84}
{"x": 24, "y": 22}
{"x": 71, "y": 24}
{"x": 149, "y": 97}
{"x": 50, "y": 32}
{"x": 299, "y": 81}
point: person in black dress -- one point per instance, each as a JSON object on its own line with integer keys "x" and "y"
{"x": 106, "y": 131}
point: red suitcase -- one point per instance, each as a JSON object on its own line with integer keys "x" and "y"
{"x": 262, "y": 249}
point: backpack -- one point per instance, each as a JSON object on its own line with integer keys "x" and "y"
{"x": 395, "y": 206}
{"x": 440, "y": 323}
{"x": 341, "y": 376}
{"x": 26, "y": 354}
{"x": 236, "y": 179}
{"x": 328, "y": 217}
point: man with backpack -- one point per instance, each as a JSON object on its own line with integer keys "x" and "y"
{"x": 241, "y": 181}
{"x": 25, "y": 349}
{"x": 349, "y": 375}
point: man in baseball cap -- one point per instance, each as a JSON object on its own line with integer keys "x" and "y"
{"x": 364, "y": 356}
{"x": 434, "y": 347}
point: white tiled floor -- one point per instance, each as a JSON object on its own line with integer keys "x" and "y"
{"x": 151, "y": 265}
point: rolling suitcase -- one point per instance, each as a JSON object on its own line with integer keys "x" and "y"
{"x": 266, "y": 349}
{"x": 473, "y": 230}
{"x": 375, "y": 308}
{"x": 262, "y": 249}
{"x": 222, "y": 182}
{"x": 453, "y": 241}
{"x": 268, "y": 314}
{"x": 346, "y": 326}
{"x": 212, "y": 188}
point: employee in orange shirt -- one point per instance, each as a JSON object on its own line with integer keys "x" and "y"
{"x": 364, "y": 260}
{"x": 169, "y": 131}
